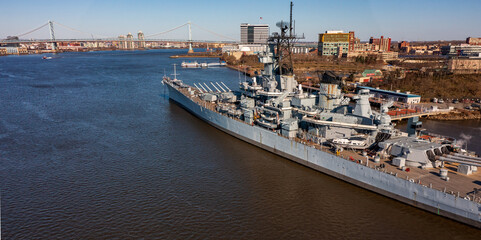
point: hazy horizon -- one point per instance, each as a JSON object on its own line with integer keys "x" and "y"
{"x": 424, "y": 20}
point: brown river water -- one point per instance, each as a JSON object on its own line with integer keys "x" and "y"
{"x": 91, "y": 148}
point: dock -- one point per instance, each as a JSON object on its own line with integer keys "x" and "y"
{"x": 407, "y": 115}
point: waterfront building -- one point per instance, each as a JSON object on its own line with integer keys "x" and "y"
{"x": 363, "y": 47}
{"x": 379, "y": 47}
{"x": 73, "y": 46}
{"x": 140, "y": 36}
{"x": 300, "y": 50}
{"x": 229, "y": 48}
{"x": 464, "y": 65}
{"x": 130, "y": 43}
{"x": 334, "y": 43}
{"x": 381, "y": 44}
{"x": 422, "y": 50}
{"x": 403, "y": 47}
{"x": 386, "y": 56}
{"x": 243, "y": 49}
{"x": 368, "y": 75}
{"x": 254, "y": 33}
{"x": 372, "y": 73}
{"x": 462, "y": 50}
{"x": 122, "y": 43}
{"x": 91, "y": 44}
{"x": 251, "y": 49}
{"x": 13, "y": 50}
{"x": 352, "y": 41}
{"x": 473, "y": 41}
{"x": 403, "y": 44}
{"x": 10, "y": 38}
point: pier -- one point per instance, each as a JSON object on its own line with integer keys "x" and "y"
{"x": 417, "y": 114}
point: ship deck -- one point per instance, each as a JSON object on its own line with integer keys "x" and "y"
{"x": 459, "y": 184}
{"x": 464, "y": 185}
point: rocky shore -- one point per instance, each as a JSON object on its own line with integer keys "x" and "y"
{"x": 458, "y": 114}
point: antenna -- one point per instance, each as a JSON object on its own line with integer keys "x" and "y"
{"x": 284, "y": 40}
{"x": 290, "y": 40}
{"x": 175, "y": 72}
{"x": 294, "y": 27}
{"x": 245, "y": 74}
{"x": 290, "y": 21}
{"x": 281, "y": 24}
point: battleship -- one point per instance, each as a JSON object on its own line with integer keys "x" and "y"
{"x": 351, "y": 142}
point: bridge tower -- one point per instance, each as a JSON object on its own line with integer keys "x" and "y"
{"x": 190, "y": 40}
{"x": 52, "y": 36}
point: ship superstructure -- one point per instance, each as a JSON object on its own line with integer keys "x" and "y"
{"x": 323, "y": 131}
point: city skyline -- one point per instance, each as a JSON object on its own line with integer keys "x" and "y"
{"x": 400, "y": 20}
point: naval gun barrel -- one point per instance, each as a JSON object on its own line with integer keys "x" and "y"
{"x": 338, "y": 124}
{"x": 445, "y": 159}
{"x": 466, "y": 156}
{"x": 463, "y": 159}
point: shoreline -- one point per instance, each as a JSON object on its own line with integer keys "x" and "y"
{"x": 453, "y": 117}
{"x": 249, "y": 73}
{"x": 195, "y": 56}
{"x": 457, "y": 115}
{"x": 81, "y": 50}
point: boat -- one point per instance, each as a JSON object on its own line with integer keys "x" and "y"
{"x": 351, "y": 143}
{"x": 194, "y": 64}
{"x": 45, "y": 57}
{"x": 319, "y": 130}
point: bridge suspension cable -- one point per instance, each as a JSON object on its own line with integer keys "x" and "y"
{"x": 76, "y": 30}
{"x": 151, "y": 35}
{"x": 147, "y": 36}
{"x": 23, "y": 34}
{"x": 207, "y": 30}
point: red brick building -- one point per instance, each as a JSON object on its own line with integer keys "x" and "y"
{"x": 381, "y": 44}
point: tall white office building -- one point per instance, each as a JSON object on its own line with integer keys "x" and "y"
{"x": 254, "y": 33}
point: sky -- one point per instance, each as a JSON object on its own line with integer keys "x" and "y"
{"x": 407, "y": 20}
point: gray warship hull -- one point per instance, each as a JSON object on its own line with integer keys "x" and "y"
{"x": 409, "y": 192}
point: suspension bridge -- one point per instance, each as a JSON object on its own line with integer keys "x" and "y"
{"x": 121, "y": 41}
